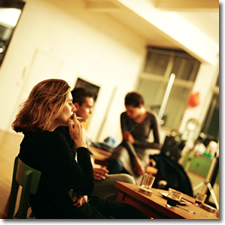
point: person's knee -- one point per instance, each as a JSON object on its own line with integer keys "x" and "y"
{"x": 127, "y": 178}
{"x": 115, "y": 166}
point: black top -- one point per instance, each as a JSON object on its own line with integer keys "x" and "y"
{"x": 51, "y": 154}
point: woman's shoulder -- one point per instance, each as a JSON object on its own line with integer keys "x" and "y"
{"x": 42, "y": 137}
{"x": 44, "y": 146}
{"x": 38, "y": 143}
{"x": 41, "y": 134}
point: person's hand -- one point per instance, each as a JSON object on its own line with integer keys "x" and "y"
{"x": 100, "y": 173}
{"x": 138, "y": 166}
{"x": 128, "y": 137}
{"x": 77, "y": 132}
{"x": 81, "y": 200}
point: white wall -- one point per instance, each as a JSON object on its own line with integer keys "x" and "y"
{"x": 56, "y": 38}
{"x": 62, "y": 39}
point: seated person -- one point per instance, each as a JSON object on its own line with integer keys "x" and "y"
{"x": 136, "y": 125}
{"x": 49, "y": 106}
{"x": 104, "y": 183}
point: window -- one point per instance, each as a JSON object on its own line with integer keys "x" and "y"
{"x": 211, "y": 124}
{"x": 10, "y": 12}
{"x": 153, "y": 81}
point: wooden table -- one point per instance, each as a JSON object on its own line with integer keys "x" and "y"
{"x": 155, "y": 205}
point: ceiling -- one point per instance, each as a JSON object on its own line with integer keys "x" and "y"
{"x": 203, "y": 14}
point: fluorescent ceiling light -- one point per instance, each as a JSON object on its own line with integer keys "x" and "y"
{"x": 9, "y": 16}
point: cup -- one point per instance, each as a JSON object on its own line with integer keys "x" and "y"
{"x": 147, "y": 181}
{"x": 173, "y": 197}
{"x": 146, "y": 184}
{"x": 200, "y": 198}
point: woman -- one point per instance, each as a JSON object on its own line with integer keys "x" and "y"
{"x": 65, "y": 183}
{"x": 136, "y": 125}
{"x": 83, "y": 101}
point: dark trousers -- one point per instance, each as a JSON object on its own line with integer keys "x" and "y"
{"x": 96, "y": 208}
{"x": 116, "y": 210}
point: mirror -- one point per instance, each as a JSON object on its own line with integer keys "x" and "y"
{"x": 10, "y": 11}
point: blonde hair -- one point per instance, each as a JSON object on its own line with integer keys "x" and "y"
{"x": 44, "y": 104}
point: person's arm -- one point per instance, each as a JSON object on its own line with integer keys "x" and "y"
{"x": 126, "y": 133}
{"x": 146, "y": 144}
{"x": 129, "y": 142}
{"x": 123, "y": 125}
{"x": 84, "y": 169}
{"x": 75, "y": 174}
{"x": 100, "y": 172}
{"x": 84, "y": 172}
{"x": 155, "y": 128}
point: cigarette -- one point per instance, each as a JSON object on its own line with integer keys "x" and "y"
{"x": 80, "y": 119}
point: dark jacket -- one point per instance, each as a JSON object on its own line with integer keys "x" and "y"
{"x": 49, "y": 153}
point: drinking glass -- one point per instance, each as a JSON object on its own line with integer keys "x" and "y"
{"x": 173, "y": 197}
{"x": 200, "y": 198}
{"x": 146, "y": 184}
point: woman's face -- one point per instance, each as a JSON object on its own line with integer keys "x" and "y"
{"x": 67, "y": 112}
{"x": 132, "y": 112}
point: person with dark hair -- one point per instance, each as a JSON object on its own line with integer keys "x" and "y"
{"x": 134, "y": 99}
{"x": 136, "y": 126}
{"x": 65, "y": 184}
{"x": 83, "y": 101}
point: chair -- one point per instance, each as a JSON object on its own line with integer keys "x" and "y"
{"x": 28, "y": 178}
{"x": 173, "y": 173}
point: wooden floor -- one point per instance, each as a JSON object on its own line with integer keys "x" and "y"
{"x": 9, "y": 148}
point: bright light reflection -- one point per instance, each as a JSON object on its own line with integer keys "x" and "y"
{"x": 9, "y": 17}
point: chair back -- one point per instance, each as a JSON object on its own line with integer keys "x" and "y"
{"x": 28, "y": 178}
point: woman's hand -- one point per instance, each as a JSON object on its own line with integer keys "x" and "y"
{"x": 128, "y": 137}
{"x": 81, "y": 200}
{"x": 77, "y": 132}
